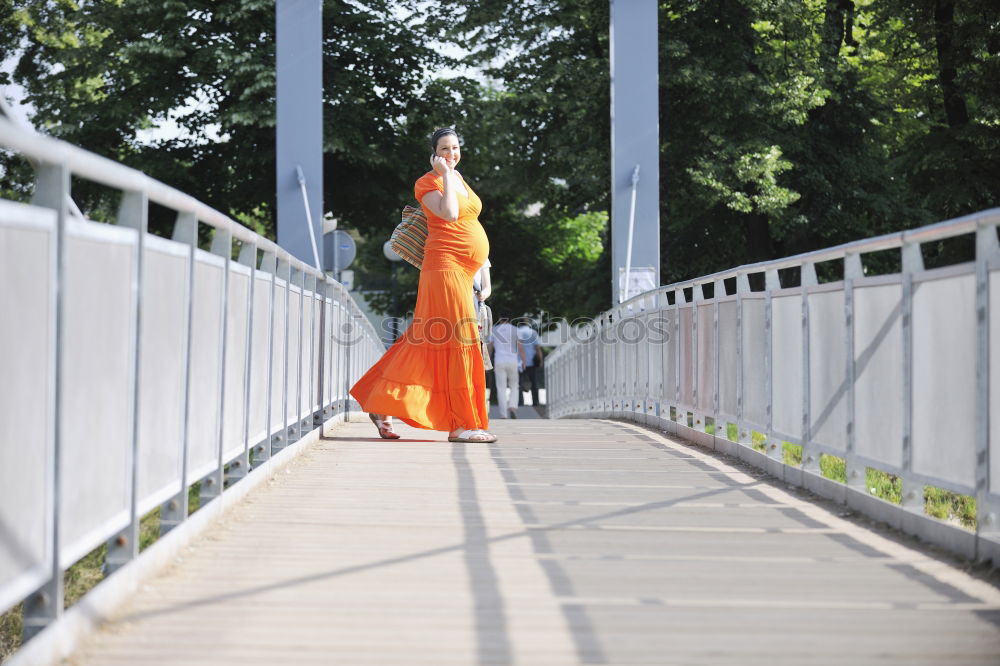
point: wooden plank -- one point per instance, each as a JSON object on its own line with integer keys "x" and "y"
{"x": 563, "y": 543}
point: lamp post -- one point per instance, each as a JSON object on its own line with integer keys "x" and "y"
{"x": 395, "y": 259}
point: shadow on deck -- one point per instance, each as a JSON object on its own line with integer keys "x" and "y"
{"x": 566, "y": 542}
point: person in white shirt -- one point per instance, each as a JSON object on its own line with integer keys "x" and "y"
{"x": 508, "y": 355}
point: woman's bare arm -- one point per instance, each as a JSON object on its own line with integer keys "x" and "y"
{"x": 443, "y": 204}
{"x": 486, "y": 287}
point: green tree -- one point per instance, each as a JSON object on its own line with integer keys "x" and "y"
{"x": 937, "y": 62}
{"x": 537, "y": 147}
{"x": 100, "y": 73}
{"x": 786, "y": 125}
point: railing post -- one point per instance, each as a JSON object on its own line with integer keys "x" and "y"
{"x": 719, "y": 429}
{"x": 612, "y": 362}
{"x": 280, "y": 439}
{"x": 987, "y": 509}
{"x": 609, "y": 364}
{"x": 348, "y": 330}
{"x": 123, "y": 547}
{"x": 262, "y": 451}
{"x": 810, "y": 457}
{"x": 175, "y": 510}
{"x": 52, "y": 190}
{"x": 772, "y": 283}
{"x": 854, "y": 470}
{"x": 240, "y": 467}
{"x": 743, "y": 435}
{"x": 679, "y": 415}
{"x": 913, "y": 491}
{"x": 312, "y": 418}
{"x": 319, "y": 403}
{"x": 329, "y": 381}
{"x": 601, "y": 389}
{"x": 697, "y": 298}
{"x": 213, "y": 484}
{"x": 338, "y": 341}
{"x": 656, "y": 360}
{"x": 298, "y": 426}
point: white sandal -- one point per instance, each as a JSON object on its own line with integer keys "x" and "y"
{"x": 466, "y": 436}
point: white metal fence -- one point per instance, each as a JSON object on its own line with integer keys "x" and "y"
{"x": 899, "y": 372}
{"x": 133, "y": 366}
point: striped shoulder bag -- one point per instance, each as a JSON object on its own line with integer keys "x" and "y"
{"x": 408, "y": 238}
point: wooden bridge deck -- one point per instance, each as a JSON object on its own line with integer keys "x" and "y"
{"x": 566, "y": 542}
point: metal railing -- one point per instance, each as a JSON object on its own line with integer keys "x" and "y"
{"x": 134, "y": 366}
{"x": 899, "y": 372}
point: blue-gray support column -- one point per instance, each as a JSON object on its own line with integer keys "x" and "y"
{"x": 635, "y": 137}
{"x": 300, "y": 123}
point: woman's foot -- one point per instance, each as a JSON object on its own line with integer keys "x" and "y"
{"x": 384, "y": 425}
{"x": 471, "y": 436}
{"x": 512, "y": 412}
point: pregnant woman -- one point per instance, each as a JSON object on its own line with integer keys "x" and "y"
{"x": 433, "y": 377}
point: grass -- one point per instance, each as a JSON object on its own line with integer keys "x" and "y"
{"x": 791, "y": 454}
{"x": 833, "y": 467}
{"x": 882, "y": 484}
{"x": 938, "y": 503}
{"x": 947, "y": 505}
{"x": 11, "y": 628}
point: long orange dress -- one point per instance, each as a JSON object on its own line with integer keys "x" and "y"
{"x": 433, "y": 377}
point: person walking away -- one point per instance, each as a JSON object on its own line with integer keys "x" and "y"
{"x": 533, "y": 357}
{"x": 508, "y": 354}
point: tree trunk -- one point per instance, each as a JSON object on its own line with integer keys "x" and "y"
{"x": 757, "y": 232}
{"x": 944, "y": 32}
{"x": 833, "y": 32}
{"x": 849, "y": 10}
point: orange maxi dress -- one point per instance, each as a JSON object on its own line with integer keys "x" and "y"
{"x": 433, "y": 376}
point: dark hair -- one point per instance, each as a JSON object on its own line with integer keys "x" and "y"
{"x": 439, "y": 133}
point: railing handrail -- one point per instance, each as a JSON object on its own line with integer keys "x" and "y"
{"x": 118, "y": 176}
{"x": 939, "y": 230}
{"x": 931, "y": 232}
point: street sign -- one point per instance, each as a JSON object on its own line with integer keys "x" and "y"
{"x": 339, "y": 250}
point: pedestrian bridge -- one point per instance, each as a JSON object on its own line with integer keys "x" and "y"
{"x": 677, "y": 506}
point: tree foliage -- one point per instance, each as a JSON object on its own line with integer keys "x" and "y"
{"x": 101, "y": 73}
{"x": 786, "y": 125}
